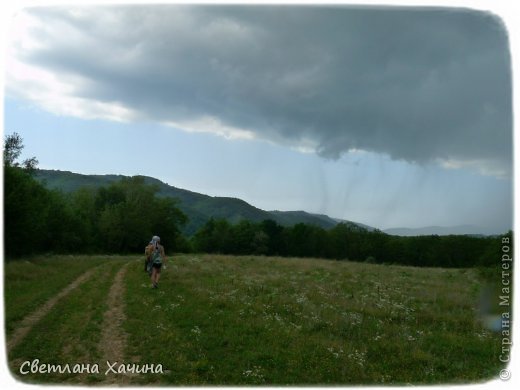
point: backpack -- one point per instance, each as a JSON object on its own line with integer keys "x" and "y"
{"x": 155, "y": 257}
{"x": 147, "y": 253}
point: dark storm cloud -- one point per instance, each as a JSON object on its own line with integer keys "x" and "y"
{"x": 416, "y": 84}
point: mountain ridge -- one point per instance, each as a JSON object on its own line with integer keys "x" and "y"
{"x": 201, "y": 207}
{"x": 439, "y": 230}
{"x": 198, "y": 207}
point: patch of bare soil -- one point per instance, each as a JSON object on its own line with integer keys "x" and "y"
{"x": 113, "y": 338}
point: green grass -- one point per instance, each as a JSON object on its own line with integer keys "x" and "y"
{"x": 70, "y": 333}
{"x": 242, "y": 320}
{"x": 30, "y": 283}
{"x": 225, "y": 320}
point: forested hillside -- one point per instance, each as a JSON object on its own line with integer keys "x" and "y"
{"x": 114, "y": 214}
{"x": 199, "y": 208}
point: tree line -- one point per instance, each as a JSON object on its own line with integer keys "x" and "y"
{"x": 122, "y": 216}
{"x": 346, "y": 242}
{"x": 115, "y": 219}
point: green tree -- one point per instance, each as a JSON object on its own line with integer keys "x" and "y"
{"x": 242, "y": 236}
{"x": 130, "y": 212}
{"x": 25, "y": 202}
{"x": 166, "y": 221}
{"x": 119, "y": 218}
{"x": 216, "y": 236}
{"x": 275, "y": 241}
{"x": 13, "y": 146}
{"x": 83, "y": 205}
{"x": 25, "y": 213}
{"x": 65, "y": 230}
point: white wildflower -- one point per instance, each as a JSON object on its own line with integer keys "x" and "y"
{"x": 256, "y": 373}
{"x": 196, "y": 330}
{"x": 358, "y": 357}
{"x": 335, "y": 352}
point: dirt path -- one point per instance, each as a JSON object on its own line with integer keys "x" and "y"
{"x": 30, "y": 320}
{"x": 113, "y": 338}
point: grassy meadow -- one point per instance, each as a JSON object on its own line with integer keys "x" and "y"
{"x": 226, "y": 320}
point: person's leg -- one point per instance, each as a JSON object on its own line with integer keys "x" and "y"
{"x": 157, "y": 275}
{"x": 154, "y": 271}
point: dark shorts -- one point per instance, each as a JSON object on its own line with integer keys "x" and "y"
{"x": 157, "y": 267}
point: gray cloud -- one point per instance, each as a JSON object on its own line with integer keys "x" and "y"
{"x": 417, "y": 84}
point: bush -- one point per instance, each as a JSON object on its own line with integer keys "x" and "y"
{"x": 370, "y": 260}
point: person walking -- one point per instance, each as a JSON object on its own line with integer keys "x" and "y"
{"x": 156, "y": 260}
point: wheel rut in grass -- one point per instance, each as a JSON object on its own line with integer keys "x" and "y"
{"x": 113, "y": 338}
{"x": 31, "y": 319}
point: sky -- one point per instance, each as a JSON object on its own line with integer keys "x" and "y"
{"x": 391, "y": 117}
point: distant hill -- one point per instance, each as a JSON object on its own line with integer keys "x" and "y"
{"x": 440, "y": 231}
{"x": 288, "y": 218}
{"x": 198, "y": 207}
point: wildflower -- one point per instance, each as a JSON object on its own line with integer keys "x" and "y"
{"x": 334, "y": 352}
{"x": 255, "y": 373}
{"x": 482, "y": 334}
{"x": 354, "y": 318}
{"x": 358, "y": 357}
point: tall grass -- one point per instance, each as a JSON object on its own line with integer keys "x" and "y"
{"x": 29, "y": 283}
{"x": 70, "y": 332}
{"x": 225, "y": 320}
{"x": 245, "y": 320}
